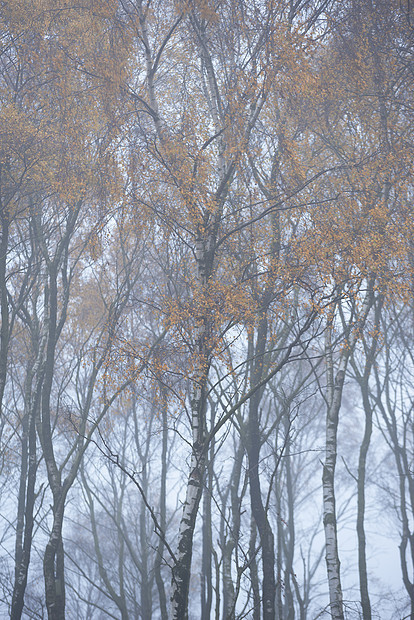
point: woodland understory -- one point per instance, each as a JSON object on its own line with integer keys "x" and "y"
{"x": 207, "y": 309}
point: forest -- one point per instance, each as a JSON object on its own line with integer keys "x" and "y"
{"x": 207, "y": 309}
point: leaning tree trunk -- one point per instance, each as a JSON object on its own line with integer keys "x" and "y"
{"x": 230, "y": 542}
{"x": 181, "y": 571}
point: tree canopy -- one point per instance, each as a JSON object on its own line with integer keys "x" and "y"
{"x": 206, "y": 288}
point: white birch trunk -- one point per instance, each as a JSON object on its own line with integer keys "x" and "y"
{"x": 335, "y": 384}
{"x": 182, "y": 568}
{"x": 329, "y": 509}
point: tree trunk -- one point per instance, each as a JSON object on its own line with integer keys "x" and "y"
{"x": 334, "y": 393}
{"x": 163, "y": 509}
{"x": 258, "y": 510}
{"x": 253, "y": 571}
{"x": 53, "y": 566}
{"x": 181, "y": 571}
{"x": 26, "y": 500}
{"x": 4, "y": 310}
{"x": 334, "y": 398}
{"x": 53, "y": 561}
{"x": 229, "y": 592}
{"x": 146, "y": 598}
{"x": 206, "y": 565}
{"x": 290, "y": 542}
{"x": 279, "y": 548}
{"x": 362, "y": 559}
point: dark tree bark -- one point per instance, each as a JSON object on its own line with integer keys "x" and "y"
{"x": 254, "y": 576}
{"x": 258, "y": 509}
{"x": 26, "y": 498}
{"x": 363, "y": 380}
{"x": 230, "y": 542}
{"x": 289, "y": 542}
{"x": 206, "y": 563}
{"x": 5, "y": 326}
{"x": 163, "y": 508}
